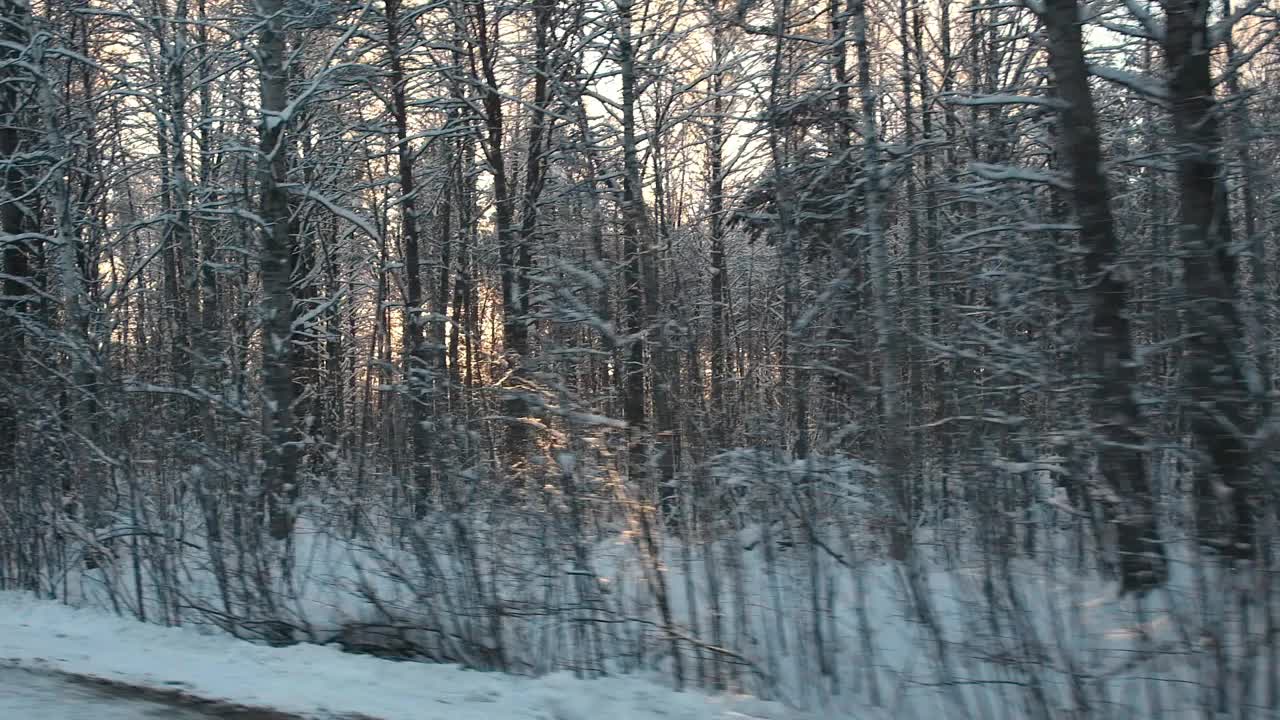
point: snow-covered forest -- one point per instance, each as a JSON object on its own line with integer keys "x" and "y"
{"x": 870, "y": 356}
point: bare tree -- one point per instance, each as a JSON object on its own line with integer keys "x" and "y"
{"x": 1122, "y": 459}
{"x": 280, "y": 449}
{"x": 1221, "y": 400}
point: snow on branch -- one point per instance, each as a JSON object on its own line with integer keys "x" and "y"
{"x": 1147, "y": 87}
{"x": 1001, "y": 173}
{"x": 347, "y": 214}
{"x": 1145, "y": 19}
{"x": 997, "y": 99}
{"x": 1220, "y": 30}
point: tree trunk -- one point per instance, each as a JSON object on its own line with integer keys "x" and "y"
{"x": 417, "y": 363}
{"x": 16, "y": 252}
{"x": 1121, "y": 452}
{"x": 535, "y": 169}
{"x": 1255, "y": 239}
{"x": 893, "y": 446}
{"x": 633, "y": 237}
{"x": 511, "y": 256}
{"x": 280, "y": 452}
{"x": 718, "y": 432}
{"x": 1220, "y": 413}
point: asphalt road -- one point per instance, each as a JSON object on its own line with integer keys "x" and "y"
{"x": 31, "y": 696}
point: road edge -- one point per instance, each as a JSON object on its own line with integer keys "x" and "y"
{"x": 174, "y": 696}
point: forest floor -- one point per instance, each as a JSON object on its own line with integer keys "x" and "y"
{"x": 221, "y": 676}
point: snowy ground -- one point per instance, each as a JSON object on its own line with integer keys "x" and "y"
{"x": 323, "y": 682}
{"x": 35, "y": 696}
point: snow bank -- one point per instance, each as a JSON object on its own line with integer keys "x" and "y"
{"x": 324, "y": 682}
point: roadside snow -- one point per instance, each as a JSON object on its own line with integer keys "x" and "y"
{"x": 324, "y": 682}
{"x": 33, "y": 696}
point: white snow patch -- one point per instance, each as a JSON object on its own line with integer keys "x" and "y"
{"x": 324, "y": 682}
